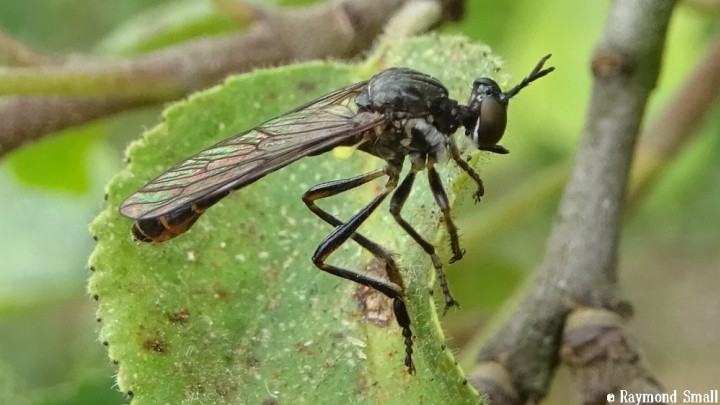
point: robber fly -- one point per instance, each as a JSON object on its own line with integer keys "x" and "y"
{"x": 399, "y": 113}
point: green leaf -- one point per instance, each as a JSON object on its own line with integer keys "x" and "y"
{"x": 234, "y": 311}
{"x": 56, "y": 163}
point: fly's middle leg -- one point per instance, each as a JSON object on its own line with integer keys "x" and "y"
{"x": 441, "y": 199}
{"x": 396, "y": 205}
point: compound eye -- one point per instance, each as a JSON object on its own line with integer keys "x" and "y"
{"x": 490, "y": 125}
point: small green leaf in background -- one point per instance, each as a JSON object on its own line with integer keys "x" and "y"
{"x": 57, "y": 163}
{"x": 234, "y": 311}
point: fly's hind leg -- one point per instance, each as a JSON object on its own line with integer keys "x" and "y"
{"x": 347, "y": 230}
{"x": 335, "y": 187}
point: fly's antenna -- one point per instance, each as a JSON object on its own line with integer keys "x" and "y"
{"x": 535, "y": 74}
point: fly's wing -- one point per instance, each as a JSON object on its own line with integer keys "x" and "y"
{"x": 208, "y": 176}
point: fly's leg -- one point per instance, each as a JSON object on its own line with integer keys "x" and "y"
{"x": 455, "y": 154}
{"x": 396, "y": 205}
{"x": 441, "y": 199}
{"x": 332, "y": 188}
{"x": 345, "y": 231}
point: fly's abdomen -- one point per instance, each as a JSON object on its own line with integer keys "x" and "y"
{"x": 162, "y": 228}
{"x": 176, "y": 222}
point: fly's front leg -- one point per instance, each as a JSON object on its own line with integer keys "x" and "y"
{"x": 345, "y": 231}
{"x": 332, "y": 188}
{"x": 396, "y": 205}
{"x": 442, "y": 201}
{"x": 455, "y": 154}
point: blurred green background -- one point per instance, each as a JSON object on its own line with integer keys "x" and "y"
{"x": 670, "y": 256}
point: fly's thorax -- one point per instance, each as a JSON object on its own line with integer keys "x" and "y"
{"x": 421, "y": 115}
{"x": 401, "y": 90}
{"x": 405, "y": 135}
{"x": 445, "y": 115}
{"x": 422, "y": 136}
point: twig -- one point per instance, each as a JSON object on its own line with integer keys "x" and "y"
{"x": 339, "y": 29}
{"x": 579, "y": 267}
{"x": 28, "y": 118}
{"x": 662, "y": 140}
{"x": 238, "y": 10}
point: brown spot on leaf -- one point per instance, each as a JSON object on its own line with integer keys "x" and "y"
{"x": 374, "y": 305}
{"x": 252, "y": 362}
{"x": 221, "y": 293}
{"x": 181, "y": 316}
{"x": 155, "y": 345}
{"x": 305, "y": 86}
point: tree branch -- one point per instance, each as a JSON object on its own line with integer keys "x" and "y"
{"x": 679, "y": 122}
{"x": 55, "y": 97}
{"x": 578, "y": 272}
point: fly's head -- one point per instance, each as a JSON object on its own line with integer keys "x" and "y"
{"x": 485, "y": 116}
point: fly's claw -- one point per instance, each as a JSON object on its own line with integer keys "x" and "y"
{"x": 459, "y": 255}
